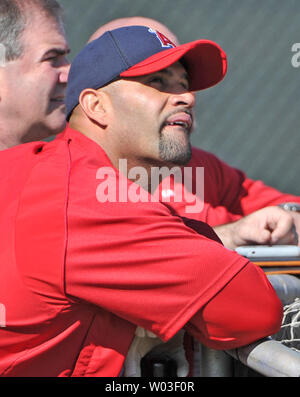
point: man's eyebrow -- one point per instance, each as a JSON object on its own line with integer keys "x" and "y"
{"x": 169, "y": 72}
{"x": 58, "y": 51}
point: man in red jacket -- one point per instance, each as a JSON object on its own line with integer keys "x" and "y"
{"x": 78, "y": 273}
{"x": 227, "y": 194}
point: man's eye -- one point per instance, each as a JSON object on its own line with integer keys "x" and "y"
{"x": 50, "y": 58}
{"x": 185, "y": 86}
{"x": 156, "y": 81}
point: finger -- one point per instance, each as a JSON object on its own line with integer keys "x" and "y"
{"x": 283, "y": 230}
{"x": 257, "y": 236}
{"x": 263, "y": 236}
{"x": 289, "y": 238}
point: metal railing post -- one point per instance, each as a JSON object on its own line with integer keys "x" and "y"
{"x": 270, "y": 358}
{"x": 212, "y": 363}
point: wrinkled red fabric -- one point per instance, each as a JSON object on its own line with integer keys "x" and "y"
{"x": 77, "y": 275}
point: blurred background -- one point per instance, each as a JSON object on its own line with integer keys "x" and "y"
{"x": 250, "y": 120}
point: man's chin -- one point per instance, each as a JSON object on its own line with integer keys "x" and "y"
{"x": 175, "y": 153}
{"x": 55, "y": 119}
{"x": 52, "y": 127}
{"x": 57, "y": 128}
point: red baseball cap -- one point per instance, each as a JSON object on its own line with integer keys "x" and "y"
{"x": 139, "y": 50}
{"x": 205, "y": 60}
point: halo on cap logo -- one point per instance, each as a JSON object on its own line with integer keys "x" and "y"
{"x": 164, "y": 41}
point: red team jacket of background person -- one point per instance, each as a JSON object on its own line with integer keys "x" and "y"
{"x": 77, "y": 275}
{"x": 228, "y": 194}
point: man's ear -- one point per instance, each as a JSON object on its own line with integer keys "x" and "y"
{"x": 95, "y": 105}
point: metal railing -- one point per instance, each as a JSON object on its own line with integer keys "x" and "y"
{"x": 267, "y": 357}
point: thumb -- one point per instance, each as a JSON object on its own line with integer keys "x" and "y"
{"x": 282, "y": 230}
{"x": 263, "y": 236}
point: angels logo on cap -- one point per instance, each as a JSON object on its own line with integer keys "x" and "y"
{"x": 165, "y": 42}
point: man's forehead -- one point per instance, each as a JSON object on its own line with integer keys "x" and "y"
{"x": 43, "y": 30}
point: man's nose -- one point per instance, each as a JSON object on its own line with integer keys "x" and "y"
{"x": 64, "y": 72}
{"x": 186, "y": 98}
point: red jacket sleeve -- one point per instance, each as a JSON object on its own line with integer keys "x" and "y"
{"x": 227, "y": 322}
{"x": 228, "y": 194}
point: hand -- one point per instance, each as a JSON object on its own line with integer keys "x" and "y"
{"x": 296, "y": 217}
{"x": 267, "y": 226}
{"x": 145, "y": 341}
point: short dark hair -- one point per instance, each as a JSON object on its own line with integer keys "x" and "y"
{"x": 14, "y": 19}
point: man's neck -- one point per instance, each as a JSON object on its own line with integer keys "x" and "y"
{"x": 11, "y": 136}
{"x": 7, "y": 142}
{"x": 10, "y": 133}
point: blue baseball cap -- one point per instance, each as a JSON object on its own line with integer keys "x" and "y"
{"x": 139, "y": 50}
